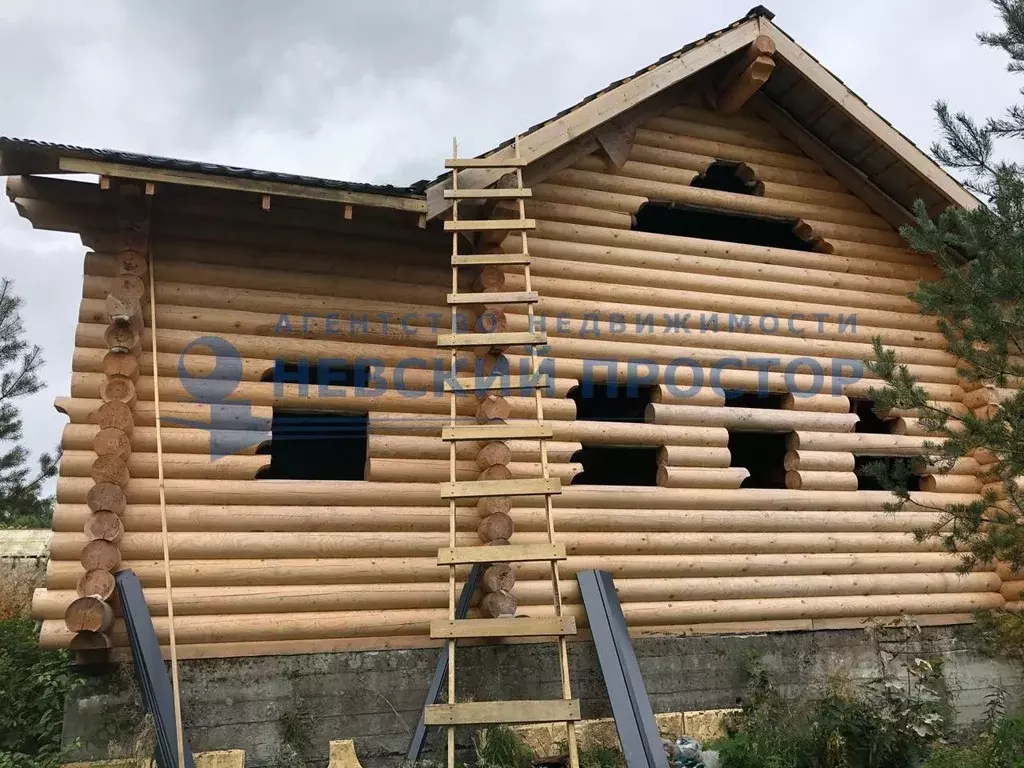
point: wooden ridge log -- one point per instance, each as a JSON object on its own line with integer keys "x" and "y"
{"x": 951, "y": 484}
{"x": 819, "y": 461}
{"x": 51, "y": 604}
{"x": 693, "y": 456}
{"x": 437, "y": 470}
{"x": 89, "y": 614}
{"x": 242, "y": 627}
{"x": 361, "y": 571}
{"x": 212, "y": 545}
{"x": 176, "y": 465}
{"x": 750, "y": 419}
{"x": 224, "y": 518}
{"x": 824, "y": 403}
{"x": 747, "y": 76}
{"x": 809, "y": 480}
{"x": 702, "y": 477}
{"x": 858, "y": 444}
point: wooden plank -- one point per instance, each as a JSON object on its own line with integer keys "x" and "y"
{"x": 489, "y": 225}
{"x": 511, "y": 553}
{"x": 506, "y": 297}
{"x": 479, "y": 489}
{"x": 488, "y": 193}
{"x": 498, "y": 712}
{"x": 523, "y": 626}
{"x": 867, "y": 118}
{"x": 506, "y": 339}
{"x": 458, "y": 433}
{"x": 850, "y": 177}
{"x": 494, "y": 161}
{"x": 487, "y": 259}
{"x": 510, "y": 382}
{"x": 602, "y": 108}
{"x": 188, "y": 178}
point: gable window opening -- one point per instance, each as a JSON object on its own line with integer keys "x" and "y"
{"x": 611, "y": 464}
{"x": 310, "y": 444}
{"x": 727, "y": 176}
{"x": 761, "y": 453}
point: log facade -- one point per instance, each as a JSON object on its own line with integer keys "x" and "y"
{"x": 773, "y": 338}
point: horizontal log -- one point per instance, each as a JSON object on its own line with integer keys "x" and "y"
{"x": 858, "y": 444}
{"x": 702, "y": 127}
{"x": 702, "y": 477}
{"x": 213, "y": 545}
{"x": 1011, "y": 590}
{"x": 693, "y": 456}
{"x": 199, "y": 517}
{"x": 825, "y": 403}
{"x": 318, "y": 624}
{"x": 376, "y": 570}
{"x": 176, "y": 465}
{"x": 661, "y": 393}
{"x": 750, "y": 419}
{"x": 820, "y": 461}
{"x": 719, "y": 150}
{"x": 951, "y": 484}
{"x": 965, "y": 465}
{"x": 190, "y": 601}
{"x": 801, "y": 479}
{"x": 356, "y": 493}
{"x": 426, "y": 447}
{"x": 229, "y": 418}
{"x": 437, "y": 470}
{"x": 79, "y": 437}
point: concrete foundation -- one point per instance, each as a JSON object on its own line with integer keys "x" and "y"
{"x": 284, "y": 710}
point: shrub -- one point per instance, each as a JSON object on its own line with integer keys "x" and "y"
{"x": 33, "y": 686}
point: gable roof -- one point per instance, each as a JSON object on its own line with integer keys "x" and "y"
{"x": 800, "y": 91}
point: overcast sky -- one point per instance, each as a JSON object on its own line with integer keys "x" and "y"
{"x": 374, "y": 91}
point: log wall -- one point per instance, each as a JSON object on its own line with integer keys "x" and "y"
{"x": 282, "y": 566}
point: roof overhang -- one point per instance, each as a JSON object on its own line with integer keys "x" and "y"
{"x": 873, "y": 159}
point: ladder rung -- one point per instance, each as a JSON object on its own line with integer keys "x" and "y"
{"x": 498, "y": 712}
{"x": 489, "y": 225}
{"x": 509, "y": 553}
{"x": 459, "y": 432}
{"x": 490, "y": 193}
{"x": 479, "y": 489}
{"x": 532, "y": 626}
{"x": 504, "y": 383}
{"x": 486, "y": 259}
{"x": 505, "y": 339}
{"x": 497, "y": 297}
{"x": 484, "y": 162}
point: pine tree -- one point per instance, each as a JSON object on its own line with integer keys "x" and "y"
{"x": 978, "y": 302}
{"x": 21, "y": 502}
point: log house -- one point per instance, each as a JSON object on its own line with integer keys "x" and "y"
{"x": 715, "y": 245}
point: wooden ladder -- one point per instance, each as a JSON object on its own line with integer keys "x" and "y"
{"x": 454, "y": 713}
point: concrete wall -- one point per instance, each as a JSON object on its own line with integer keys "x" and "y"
{"x": 261, "y": 704}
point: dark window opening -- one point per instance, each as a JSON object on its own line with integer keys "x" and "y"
{"x": 770, "y": 400}
{"x": 729, "y": 177}
{"x": 611, "y": 465}
{"x": 317, "y": 445}
{"x": 614, "y": 465}
{"x": 762, "y": 454}
{"x": 894, "y": 466}
{"x": 708, "y": 224}
{"x": 870, "y": 422}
